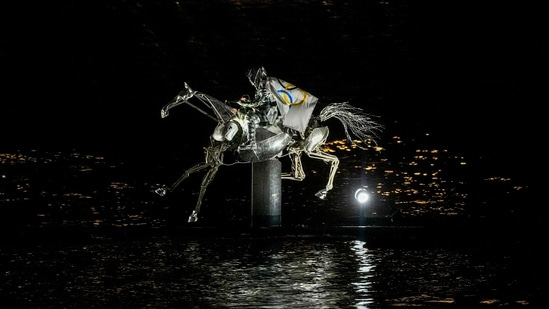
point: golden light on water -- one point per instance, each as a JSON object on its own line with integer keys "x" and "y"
{"x": 418, "y": 179}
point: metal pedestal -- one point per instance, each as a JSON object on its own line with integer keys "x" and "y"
{"x": 266, "y": 193}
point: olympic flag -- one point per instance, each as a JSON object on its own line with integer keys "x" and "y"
{"x": 295, "y": 105}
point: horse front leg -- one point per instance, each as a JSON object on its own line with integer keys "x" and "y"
{"x": 206, "y": 180}
{"x": 163, "y": 190}
{"x": 214, "y": 158}
{"x": 334, "y": 164}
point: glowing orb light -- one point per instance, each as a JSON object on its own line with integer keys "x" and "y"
{"x": 362, "y": 196}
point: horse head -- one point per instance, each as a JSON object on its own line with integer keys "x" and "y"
{"x": 182, "y": 97}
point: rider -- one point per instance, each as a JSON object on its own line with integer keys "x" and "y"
{"x": 236, "y": 105}
{"x": 257, "y": 108}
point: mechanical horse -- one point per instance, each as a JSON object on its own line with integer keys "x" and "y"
{"x": 277, "y": 122}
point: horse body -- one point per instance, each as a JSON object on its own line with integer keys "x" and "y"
{"x": 256, "y": 132}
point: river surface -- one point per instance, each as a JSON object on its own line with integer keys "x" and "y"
{"x": 82, "y": 230}
{"x": 248, "y": 272}
{"x": 224, "y": 272}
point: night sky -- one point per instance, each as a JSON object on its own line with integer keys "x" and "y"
{"x": 94, "y": 74}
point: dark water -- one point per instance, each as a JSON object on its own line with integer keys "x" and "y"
{"x": 84, "y": 230}
{"x": 172, "y": 272}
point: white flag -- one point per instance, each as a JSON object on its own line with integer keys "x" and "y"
{"x": 295, "y": 105}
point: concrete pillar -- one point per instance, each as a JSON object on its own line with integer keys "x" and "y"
{"x": 266, "y": 193}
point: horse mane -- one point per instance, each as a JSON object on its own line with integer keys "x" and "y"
{"x": 354, "y": 121}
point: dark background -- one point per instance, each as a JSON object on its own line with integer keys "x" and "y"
{"x": 94, "y": 74}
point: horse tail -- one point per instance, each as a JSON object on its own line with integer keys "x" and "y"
{"x": 354, "y": 121}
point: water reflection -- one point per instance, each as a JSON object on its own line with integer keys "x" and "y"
{"x": 365, "y": 274}
{"x": 272, "y": 274}
{"x": 166, "y": 272}
{"x": 243, "y": 272}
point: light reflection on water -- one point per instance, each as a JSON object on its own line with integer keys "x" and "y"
{"x": 73, "y": 188}
{"x": 176, "y": 272}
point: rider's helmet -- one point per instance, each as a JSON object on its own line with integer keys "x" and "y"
{"x": 257, "y": 77}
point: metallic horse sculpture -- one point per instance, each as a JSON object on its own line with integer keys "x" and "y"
{"x": 263, "y": 129}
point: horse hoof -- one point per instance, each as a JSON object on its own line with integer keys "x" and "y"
{"x": 321, "y": 194}
{"x": 160, "y": 191}
{"x": 193, "y": 217}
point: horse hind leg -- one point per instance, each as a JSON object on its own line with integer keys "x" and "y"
{"x": 297, "y": 168}
{"x": 334, "y": 164}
